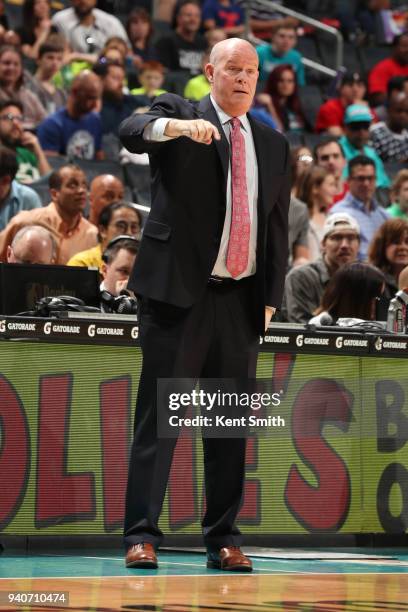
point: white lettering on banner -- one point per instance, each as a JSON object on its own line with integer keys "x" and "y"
{"x": 91, "y": 330}
{"x": 21, "y": 326}
{"x": 105, "y": 331}
{"x": 318, "y": 341}
{"x": 110, "y": 331}
{"x": 278, "y": 339}
{"x": 387, "y": 344}
{"x": 47, "y": 327}
{"x": 2, "y": 326}
{"x": 299, "y": 340}
{"x": 378, "y": 344}
{"x": 134, "y": 333}
{"x": 66, "y": 329}
{"x": 350, "y": 342}
{"x": 354, "y": 342}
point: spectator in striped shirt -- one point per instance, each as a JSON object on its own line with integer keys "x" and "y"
{"x": 390, "y": 138}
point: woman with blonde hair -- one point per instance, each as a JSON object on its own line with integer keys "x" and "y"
{"x": 317, "y": 190}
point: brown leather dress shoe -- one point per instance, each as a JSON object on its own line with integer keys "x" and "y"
{"x": 230, "y": 559}
{"x": 141, "y": 555}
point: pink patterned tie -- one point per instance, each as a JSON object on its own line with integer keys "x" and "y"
{"x": 238, "y": 245}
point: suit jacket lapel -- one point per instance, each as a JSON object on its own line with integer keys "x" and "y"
{"x": 207, "y": 111}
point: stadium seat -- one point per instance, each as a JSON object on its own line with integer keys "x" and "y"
{"x": 94, "y": 168}
{"x": 295, "y": 140}
{"x": 175, "y": 81}
{"x": 41, "y": 187}
{"x": 56, "y": 161}
{"x": 352, "y": 59}
{"x": 311, "y": 140}
{"x": 111, "y": 146}
{"x": 306, "y": 45}
{"x": 311, "y": 99}
{"x": 14, "y": 12}
{"x": 370, "y": 56}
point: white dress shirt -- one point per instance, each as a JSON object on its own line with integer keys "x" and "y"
{"x": 155, "y": 132}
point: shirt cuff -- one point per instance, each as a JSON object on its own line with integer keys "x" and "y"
{"x": 154, "y": 131}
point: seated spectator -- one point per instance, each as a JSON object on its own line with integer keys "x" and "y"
{"x": 329, "y": 154}
{"x": 390, "y": 138}
{"x": 352, "y": 292}
{"x": 301, "y": 159}
{"x": 118, "y": 261}
{"x": 281, "y": 99}
{"x": 396, "y": 65}
{"x": 298, "y": 221}
{"x": 224, "y": 15}
{"x": 76, "y": 130}
{"x": 317, "y": 191}
{"x": 115, "y": 51}
{"x": 63, "y": 217}
{"x": 183, "y": 49}
{"x": 388, "y": 251}
{"x": 330, "y": 118}
{"x": 198, "y": 87}
{"x": 87, "y": 28}
{"x": 151, "y": 77}
{"x": 281, "y": 51}
{"x": 263, "y": 20}
{"x": 12, "y": 86}
{"x": 304, "y": 285}
{"x": 14, "y": 197}
{"x": 36, "y": 26}
{"x": 114, "y": 220}
{"x": 357, "y": 121}
{"x": 105, "y": 189}
{"x": 139, "y": 29}
{"x": 32, "y": 244}
{"x": 31, "y": 160}
{"x": 116, "y": 105}
{"x": 399, "y": 195}
{"x": 49, "y": 62}
{"x": 360, "y": 201}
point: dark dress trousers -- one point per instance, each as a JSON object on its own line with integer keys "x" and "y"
{"x": 188, "y": 327}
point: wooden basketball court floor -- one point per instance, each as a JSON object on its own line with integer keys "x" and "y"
{"x": 357, "y": 580}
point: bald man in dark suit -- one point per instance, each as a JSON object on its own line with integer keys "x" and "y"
{"x": 209, "y": 275}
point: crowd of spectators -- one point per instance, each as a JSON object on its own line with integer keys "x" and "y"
{"x": 68, "y": 78}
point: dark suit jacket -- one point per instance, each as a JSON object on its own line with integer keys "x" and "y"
{"x": 182, "y": 234}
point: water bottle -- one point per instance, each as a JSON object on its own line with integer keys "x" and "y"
{"x": 397, "y": 312}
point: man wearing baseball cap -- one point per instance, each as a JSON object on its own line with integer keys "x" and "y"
{"x": 330, "y": 118}
{"x": 304, "y": 285}
{"x": 357, "y": 121}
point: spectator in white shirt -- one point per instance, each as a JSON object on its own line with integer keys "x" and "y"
{"x": 87, "y": 28}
